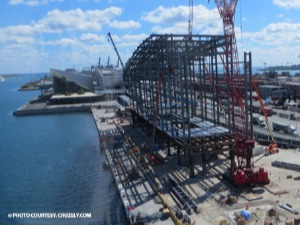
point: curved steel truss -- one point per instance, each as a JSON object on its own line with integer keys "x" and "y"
{"x": 178, "y": 86}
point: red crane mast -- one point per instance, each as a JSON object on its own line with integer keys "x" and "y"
{"x": 243, "y": 173}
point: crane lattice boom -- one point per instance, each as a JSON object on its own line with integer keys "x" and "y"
{"x": 231, "y": 64}
{"x": 243, "y": 144}
{"x": 227, "y": 10}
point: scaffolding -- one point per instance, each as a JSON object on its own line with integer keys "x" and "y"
{"x": 178, "y": 87}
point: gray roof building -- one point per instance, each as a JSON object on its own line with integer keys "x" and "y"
{"x": 71, "y": 81}
{"x": 109, "y": 78}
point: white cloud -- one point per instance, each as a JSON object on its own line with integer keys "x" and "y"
{"x": 16, "y": 34}
{"x": 175, "y": 20}
{"x": 287, "y": 3}
{"x": 275, "y": 44}
{"x": 276, "y": 55}
{"x": 57, "y": 21}
{"x": 89, "y": 0}
{"x": 179, "y": 28}
{"x": 21, "y": 57}
{"x": 19, "y": 29}
{"x": 16, "y": 2}
{"x": 77, "y": 19}
{"x": 276, "y": 34}
{"x": 32, "y": 2}
{"x": 132, "y": 41}
{"x": 124, "y": 24}
{"x": 73, "y": 19}
{"x": 76, "y": 37}
{"x": 62, "y": 42}
{"x": 135, "y": 37}
{"x": 35, "y": 2}
{"x": 128, "y": 41}
{"x": 167, "y": 15}
{"x": 17, "y": 39}
{"x": 90, "y": 37}
{"x": 79, "y": 52}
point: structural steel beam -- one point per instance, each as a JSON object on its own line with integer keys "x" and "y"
{"x": 193, "y": 92}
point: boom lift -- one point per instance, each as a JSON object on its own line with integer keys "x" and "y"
{"x": 243, "y": 173}
{"x": 272, "y": 148}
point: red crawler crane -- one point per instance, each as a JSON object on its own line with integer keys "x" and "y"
{"x": 242, "y": 173}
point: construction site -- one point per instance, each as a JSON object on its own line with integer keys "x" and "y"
{"x": 192, "y": 91}
{"x": 190, "y": 123}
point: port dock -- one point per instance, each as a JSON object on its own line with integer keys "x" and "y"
{"x": 135, "y": 182}
{"x": 164, "y": 193}
{"x": 42, "y": 108}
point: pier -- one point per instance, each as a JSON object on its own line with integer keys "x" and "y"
{"x": 142, "y": 200}
{"x": 158, "y": 191}
{"x": 42, "y": 108}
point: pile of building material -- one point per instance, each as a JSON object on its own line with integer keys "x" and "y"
{"x": 285, "y": 165}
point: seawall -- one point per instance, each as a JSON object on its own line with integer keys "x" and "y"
{"x": 44, "y": 108}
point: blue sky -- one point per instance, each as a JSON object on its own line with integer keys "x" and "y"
{"x": 36, "y": 35}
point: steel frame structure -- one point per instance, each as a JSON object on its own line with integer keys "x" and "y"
{"x": 178, "y": 85}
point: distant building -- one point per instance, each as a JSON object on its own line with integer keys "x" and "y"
{"x": 109, "y": 78}
{"x": 275, "y": 92}
{"x": 98, "y": 84}
{"x": 68, "y": 82}
{"x": 109, "y": 82}
{"x": 124, "y": 100}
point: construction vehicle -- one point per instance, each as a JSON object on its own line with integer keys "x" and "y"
{"x": 285, "y": 128}
{"x": 243, "y": 173}
{"x": 272, "y": 148}
{"x": 258, "y": 120}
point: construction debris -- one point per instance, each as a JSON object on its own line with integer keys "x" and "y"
{"x": 289, "y": 208}
{"x": 240, "y": 220}
{"x": 272, "y": 217}
{"x": 224, "y": 222}
{"x": 231, "y": 200}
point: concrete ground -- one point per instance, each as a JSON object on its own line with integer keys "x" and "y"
{"x": 211, "y": 192}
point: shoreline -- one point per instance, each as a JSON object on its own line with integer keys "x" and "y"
{"x": 52, "y": 110}
{"x": 136, "y": 182}
{"x": 42, "y": 108}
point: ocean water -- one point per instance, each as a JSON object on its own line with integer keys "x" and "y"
{"x": 51, "y": 164}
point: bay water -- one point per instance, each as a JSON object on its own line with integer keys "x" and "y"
{"x": 51, "y": 164}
